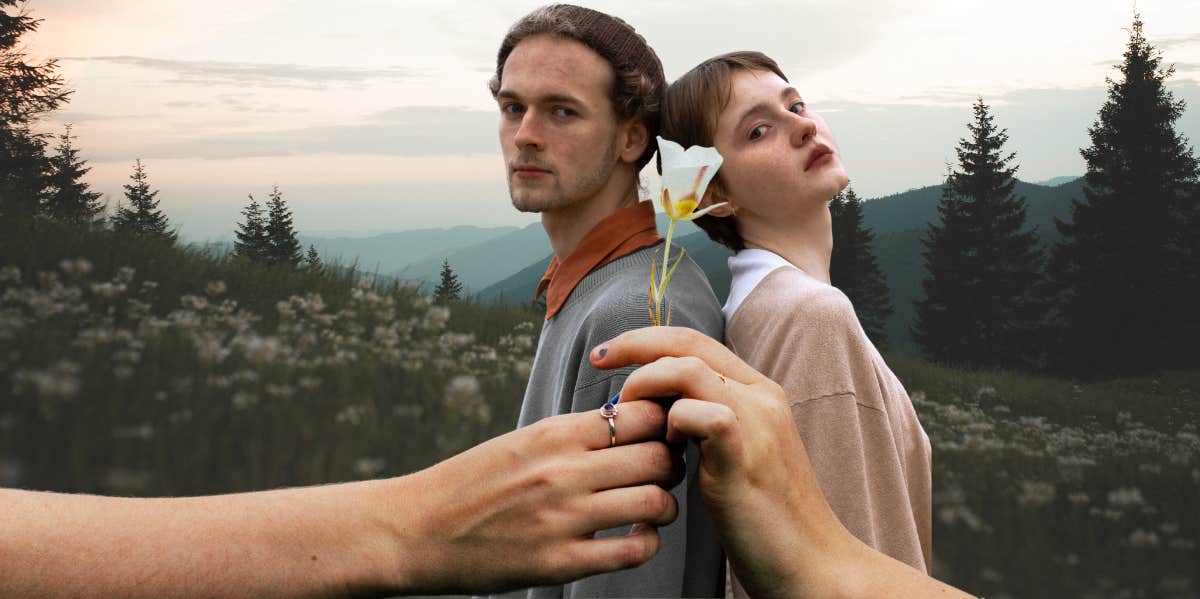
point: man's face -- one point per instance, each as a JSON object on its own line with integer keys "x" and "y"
{"x": 558, "y": 131}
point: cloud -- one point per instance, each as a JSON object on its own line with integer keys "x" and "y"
{"x": 68, "y": 116}
{"x": 1176, "y": 41}
{"x": 401, "y": 131}
{"x": 211, "y": 72}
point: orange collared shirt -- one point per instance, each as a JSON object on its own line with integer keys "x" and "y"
{"x": 623, "y": 232}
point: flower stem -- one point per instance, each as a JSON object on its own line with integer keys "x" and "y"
{"x": 662, "y": 284}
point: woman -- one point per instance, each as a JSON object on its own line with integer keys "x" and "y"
{"x": 781, "y": 167}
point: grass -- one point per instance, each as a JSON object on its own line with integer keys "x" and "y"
{"x": 158, "y": 370}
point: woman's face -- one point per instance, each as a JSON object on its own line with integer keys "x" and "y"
{"x": 780, "y": 157}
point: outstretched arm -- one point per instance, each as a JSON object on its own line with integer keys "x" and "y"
{"x": 516, "y": 511}
{"x": 781, "y": 537}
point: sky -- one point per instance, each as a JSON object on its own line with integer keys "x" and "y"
{"x": 374, "y": 116}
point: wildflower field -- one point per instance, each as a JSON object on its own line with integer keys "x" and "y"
{"x": 133, "y": 367}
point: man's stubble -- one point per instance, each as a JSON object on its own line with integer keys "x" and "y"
{"x": 585, "y": 187}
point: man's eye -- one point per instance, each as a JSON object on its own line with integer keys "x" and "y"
{"x": 563, "y": 111}
{"x": 798, "y": 107}
{"x": 758, "y": 132}
{"x": 512, "y": 108}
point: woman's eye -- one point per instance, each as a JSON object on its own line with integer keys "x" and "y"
{"x": 758, "y": 132}
{"x": 798, "y": 107}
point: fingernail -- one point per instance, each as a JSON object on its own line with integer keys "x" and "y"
{"x": 603, "y": 351}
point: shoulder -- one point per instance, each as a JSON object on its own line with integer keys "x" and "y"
{"x": 790, "y": 297}
{"x": 623, "y": 298}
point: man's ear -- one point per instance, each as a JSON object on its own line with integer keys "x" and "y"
{"x": 715, "y": 195}
{"x": 636, "y": 138}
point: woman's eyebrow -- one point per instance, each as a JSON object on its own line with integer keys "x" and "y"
{"x": 764, "y": 106}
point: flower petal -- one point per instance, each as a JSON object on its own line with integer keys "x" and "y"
{"x": 699, "y": 213}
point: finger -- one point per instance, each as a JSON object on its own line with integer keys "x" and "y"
{"x": 629, "y": 465}
{"x": 635, "y": 422}
{"x": 586, "y": 557}
{"x": 687, "y": 376}
{"x": 642, "y": 346}
{"x": 713, "y": 426}
{"x": 630, "y": 505}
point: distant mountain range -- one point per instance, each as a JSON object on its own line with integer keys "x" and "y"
{"x": 504, "y": 264}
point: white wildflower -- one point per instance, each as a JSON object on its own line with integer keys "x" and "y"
{"x": 1035, "y": 494}
{"x": 353, "y": 415}
{"x": 464, "y": 396}
{"x": 261, "y": 350}
{"x": 368, "y": 467}
{"x": 76, "y": 268}
{"x": 108, "y": 290}
{"x": 436, "y": 317}
{"x": 408, "y": 411}
{"x": 985, "y": 392}
{"x": 125, "y": 274}
{"x": 243, "y": 400}
{"x": 209, "y": 348}
{"x": 1078, "y": 498}
{"x": 282, "y": 391}
{"x": 215, "y": 288}
{"x": 1142, "y": 539}
{"x": 1126, "y": 498}
{"x": 10, "y": 274}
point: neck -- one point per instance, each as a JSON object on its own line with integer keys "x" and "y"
{"x": 568, "y": 225}
{"x": 805, "y": 239}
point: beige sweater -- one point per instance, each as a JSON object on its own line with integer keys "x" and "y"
{"x": 868, "y": 451}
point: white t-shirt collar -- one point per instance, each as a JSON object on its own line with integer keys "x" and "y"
{"x": 748, "y": 268}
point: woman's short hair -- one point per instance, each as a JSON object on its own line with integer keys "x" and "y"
{"x": 691, "y": 107}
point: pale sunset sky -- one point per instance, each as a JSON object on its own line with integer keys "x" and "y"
{"x": 374, "y": 116}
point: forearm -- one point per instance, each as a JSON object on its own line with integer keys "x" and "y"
{"x": 316, "y": 541}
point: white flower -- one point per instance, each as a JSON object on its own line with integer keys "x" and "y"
{"x": 685, "y": 177}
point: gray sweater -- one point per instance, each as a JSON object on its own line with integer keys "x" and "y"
{"x": 607, "y": 302}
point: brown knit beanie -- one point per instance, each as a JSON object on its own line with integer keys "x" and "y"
{"x": 639, "y": 82}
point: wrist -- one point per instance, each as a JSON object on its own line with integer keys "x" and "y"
{"x": 393, "y": 538}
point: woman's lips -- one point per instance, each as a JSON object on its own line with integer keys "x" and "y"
{"x": 821, "y": 155}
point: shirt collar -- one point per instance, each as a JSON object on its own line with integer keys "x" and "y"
{"x": 620, "y": 234}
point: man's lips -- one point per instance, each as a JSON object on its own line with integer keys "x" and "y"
{"x": 820, "y": 154}
{"x": 529, "y": 171}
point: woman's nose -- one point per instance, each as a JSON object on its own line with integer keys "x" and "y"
{"x": 803, "y": 129}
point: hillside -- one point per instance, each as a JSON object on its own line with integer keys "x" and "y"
{"x": 900, "y": 220}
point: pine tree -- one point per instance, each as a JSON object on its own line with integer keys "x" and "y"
{"x": 251, "y": 238}
{"x": 313, "y": 260}
{"x": 27, "y": 92}
{"x": 981, "y": 306}
{"x": 854, "y": 269}
{"x": 142, "y": 216}
{"x": 69, "y": 198}
{"x": 1125, "y": 269}
{"x": 282, "y": 246}
{"x": 450, "y": 288}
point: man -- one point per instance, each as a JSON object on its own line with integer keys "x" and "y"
{"x": 579, "y": 94}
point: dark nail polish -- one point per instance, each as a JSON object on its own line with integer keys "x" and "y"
{"x": 603, "y": 352}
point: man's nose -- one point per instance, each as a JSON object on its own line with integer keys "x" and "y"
{"x": 803, "y": 129}
{"x": 529, "y": 132}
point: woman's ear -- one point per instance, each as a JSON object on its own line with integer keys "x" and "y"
{"x": 714, "y": 195}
